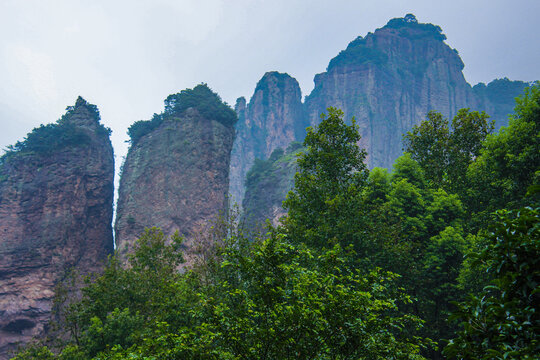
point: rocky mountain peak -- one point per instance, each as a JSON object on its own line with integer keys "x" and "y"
{"x": 240, "y": 105}
{"x": 273, "y": 119}
{"x": 176, "y": 173}
{"x": 82, "y": 114}
{"x": 389, "y": 80}
{"x": 56, "y": 203}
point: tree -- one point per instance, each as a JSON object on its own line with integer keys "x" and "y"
{"x": 444, "y": 152}
{"x": 419, "y": 235}
{"x": 282, "y": 301}
{"x": 509, "y": 162}
{"x": 325, "y": 205}
{"x": 428, "y": 145}
{"x": 503, "y": 321}
{"x": 123, "y": 305}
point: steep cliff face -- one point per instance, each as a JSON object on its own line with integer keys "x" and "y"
{"x": 272, "y": 119}
{"x": 389, "y": 81}
{"x": 176, "y": 173}
{"x": 497, "y": 98}
{"x": 56, "y": 197}
{"x": 267, "y": 185}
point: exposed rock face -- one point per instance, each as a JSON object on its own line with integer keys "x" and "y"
{"x": 389, "y": 81}
{"x": 267, "y": 185}
{"x": 392, "y": 78}
{"x": 175, "y": 177}
{"x": 497, "y": 98}
{"x": 56, "y": 197}
{"x": 272, "y": 119}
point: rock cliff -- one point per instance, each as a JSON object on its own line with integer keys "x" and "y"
{"x": 272, "y": 119}
{"x": 176, "y": 173}
{"x": 497, "y": 98}
{"x": 388, "y": 80}
{"x": 267, "y": 185}
{"x": 56, "y": 203}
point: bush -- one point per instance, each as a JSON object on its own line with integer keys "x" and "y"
{"x": 201, "y": 97}
{"x": 46, "y": 139}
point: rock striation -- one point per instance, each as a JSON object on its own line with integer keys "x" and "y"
{"x": 267, "y": 184}
{"x": 176, "y": 173}
{"x": 273, "y": 119}
{"x": 56, "y": 204}
{"x": 498, "y": 98}
{"x": 388, "y": 81}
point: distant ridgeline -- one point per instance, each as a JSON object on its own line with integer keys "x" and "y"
{"x": 388, "y": 81}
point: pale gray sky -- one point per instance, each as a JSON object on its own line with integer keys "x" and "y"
{"x": 127, "y": 56}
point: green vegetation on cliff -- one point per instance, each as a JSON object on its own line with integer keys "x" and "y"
{"x": 201, "y": 98}
{"x": 65, "y": 132}
{"x": 360, "y": 51}
{"x": 267, "y": 184}
{"x": 410, "y": 27}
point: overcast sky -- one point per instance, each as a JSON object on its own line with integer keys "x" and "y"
{"x": 127, "y": 56}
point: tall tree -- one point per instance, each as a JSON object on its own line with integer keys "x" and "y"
{"x": 444, "y": 152}
{"x": 503, "y": 321}
{"x": 326, "y": 202}
{"x": 509, "y": 162}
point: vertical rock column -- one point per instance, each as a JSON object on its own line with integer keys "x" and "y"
{"x": 56, "y": 203}
{"x": 389, "y": 81}
{"x": 272, "y": 119}
{"x": 176, "y": 176}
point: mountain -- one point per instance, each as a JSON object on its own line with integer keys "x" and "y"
{"x": 273, "y": 119}
{"x": 267, "y": 185}
{"x": 56, "y": 205}
{"x": 176, "y": 173}
{"x": 388, "y": 81}
{"x": 497, "y": 98}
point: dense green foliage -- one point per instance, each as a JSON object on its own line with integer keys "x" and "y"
{"x": 509, "y": 161}
{"x": 367, "y": 265}
{"x": 142, "y": 127}
{"x": 201, "y": 98}
{"x": 409, "y": 22}
{"x": 262, "y": 299}
{"x": 326, "y": 196}
{"x": 485, "y": 173}
{"x": 49, "y": 138}
{"x": 503, "y": 320}
{"x": 360, "y": 51}
{"x": 445, "y": 152}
